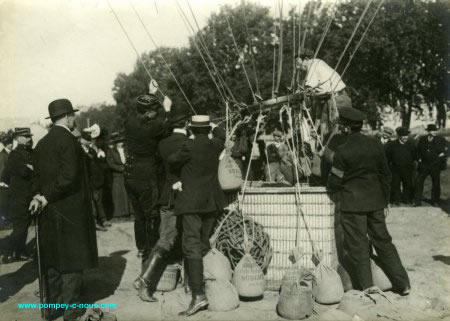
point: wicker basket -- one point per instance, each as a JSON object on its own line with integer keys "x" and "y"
{"x": 276, "y": 209}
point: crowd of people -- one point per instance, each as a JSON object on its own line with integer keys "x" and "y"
{"x": 163, "y": 168}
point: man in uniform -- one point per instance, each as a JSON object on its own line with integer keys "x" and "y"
{"x": 199, "y": 201}
{"x": 401, "y": 155}
{"x": 17, "y": 175}
{"x": 6, "y": 143}
{"x": 431, "y": 151}
{"x": 361, "y": 177}
{"x": 60, "y": 184}
{"x": 154, "y": 266}
{"x": 143, "y": 131}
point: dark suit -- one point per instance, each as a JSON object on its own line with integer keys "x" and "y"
{"x": 119, "y": 194}
{"x": 141, "y": 176}
{"x": 18, "y": 176}
{"x": 96, "y": 181}
{"x": 67, "y": 227}
{"x": 361, "y": 176}
{"x": 168, "y": 230}
{"x": 401, "y": 157}
{"x": 3, "y": 190}
{"x": 200, "y": 201}
{"x": 428, "y": 150}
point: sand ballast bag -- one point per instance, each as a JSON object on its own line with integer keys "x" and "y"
{"x": 221, "y": 295}
{"x": 229, "y": 174}
{"x": 217, "y": 266}
{"x": 248, "y": 278}
{"x": 379, "y": 278}
{"x": 296, "y": 300}
{"x": 329, "y": 288}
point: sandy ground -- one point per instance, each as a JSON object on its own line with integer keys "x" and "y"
{"x": 421, "y": 235}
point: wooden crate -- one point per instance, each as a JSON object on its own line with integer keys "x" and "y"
{"x": 276, "y": 209}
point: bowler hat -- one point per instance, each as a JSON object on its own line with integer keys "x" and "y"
{"x": 351, "y": 116}
{"x": 60, "y": 107}
{"x": 178, "y": 113}
{"x": 402, "y": 131}
{"x": 116, "y": 137}
{"x": 431, "y": 128}
{"x": 22, "y": 131}
{"x": 200, "y": 121}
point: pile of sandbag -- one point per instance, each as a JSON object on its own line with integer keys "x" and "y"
{"x": 221, "y": 294}
{"x": 329, "y": 288}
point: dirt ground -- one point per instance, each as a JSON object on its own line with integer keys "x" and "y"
{"x": 421, "y": 235}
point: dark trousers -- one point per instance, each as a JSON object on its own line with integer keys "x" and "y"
{"x": 99, "y": 210}
{"x": 21, "y": 220}
{"x": 168, "y": 229}
{"x": 197, "y": 229}
{"x": 143, "y": 195}
{"x": 357, "y": 226}
{"x": 65, "y": 288}
{"x": 402, "y": 177}
{"x": 435, "y": 173}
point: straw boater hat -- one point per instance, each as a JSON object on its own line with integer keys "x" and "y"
{"x": 200, "y": 121}
{"x": 22, "y": 131}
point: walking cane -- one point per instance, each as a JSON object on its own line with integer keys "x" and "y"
{"x": 41, "y": 279}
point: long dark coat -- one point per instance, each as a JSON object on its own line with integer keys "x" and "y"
{"x": 167, "y": 147}
{"x": 361, "y": 174}
{"x": 199, "y": 163}
{"x": 67, "y": 227}
{"x": 120, "y": 197}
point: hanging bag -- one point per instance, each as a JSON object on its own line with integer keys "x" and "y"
{"x": 329, "y": 283}
{"x": 229, "y": 174}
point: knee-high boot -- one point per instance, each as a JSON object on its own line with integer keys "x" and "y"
{"x": 199, "y": 301}
{"x": 147, "y": 282}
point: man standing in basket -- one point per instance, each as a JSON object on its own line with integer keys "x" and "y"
{"x": 67, "y": 228}
{"x": 156, "y": 263}
{"x": 143, "y": 131}
{"x": 361, "y": 175}
{"x": 200, "y": 200}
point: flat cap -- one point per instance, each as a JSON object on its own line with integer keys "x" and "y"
{"x": 351, "y": 115}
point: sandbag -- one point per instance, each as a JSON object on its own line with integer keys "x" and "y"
{"x": 368, "y": 305}
{"x": 221, "y": 295}
{"x": 345, "y": 278}
{"x": 379, "y": 278}
{"x": 248, "y": 278}
{"x": 329, "y": 289}
{"x": 334, "y": 315}
{"x": 217, "y": 266}
{"x": 296, "y": 301}
{"x": 229, "y": 174}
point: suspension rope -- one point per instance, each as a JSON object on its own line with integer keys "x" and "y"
{"x": 351, "y": 37}
{"x": 132, "y": 44}
{"x": 208, "y": 53}
{"x": 360, "y": 41}
{"x": 274, "y": 49}
{"x": 192, "y": 31}
{"x": 293, "y": 51}
{"x": 251, "y": 49}
{"x": 299, "y": 27}
{"x": 164, "y": 60}
{"x": 310, "y": 9}
{"x": 280, "y": 55}
{"x": 241, "y": 60}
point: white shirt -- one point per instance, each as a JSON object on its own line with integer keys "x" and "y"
{"x": 180, "y": 131}
{"x": 64, "y": 126}
{"x": 322, "y": 77}
{"x": 122, "y": 155}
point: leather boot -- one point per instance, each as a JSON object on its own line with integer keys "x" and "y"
{"x": 148, "y": 280}
{"x": 199, "y": 300}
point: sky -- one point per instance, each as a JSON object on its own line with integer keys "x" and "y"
{"x": 75, "y": 48}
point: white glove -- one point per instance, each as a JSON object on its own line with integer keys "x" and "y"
{"x": 167, "y": 103}
{"x": 153, "y": 87}
{"x": 177, "y": 186}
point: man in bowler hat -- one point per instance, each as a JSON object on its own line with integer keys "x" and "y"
{"x": 401, "y": 155}
{"x": 199, "y": 200}
{"x": 431, "y": 153}
{"x": 142, "y": 133}
{"x": 17, "y": 174}
{"x": 156, "y": 263}
{"x": 361, "y": 177}
{"x": 66, "y": 224}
